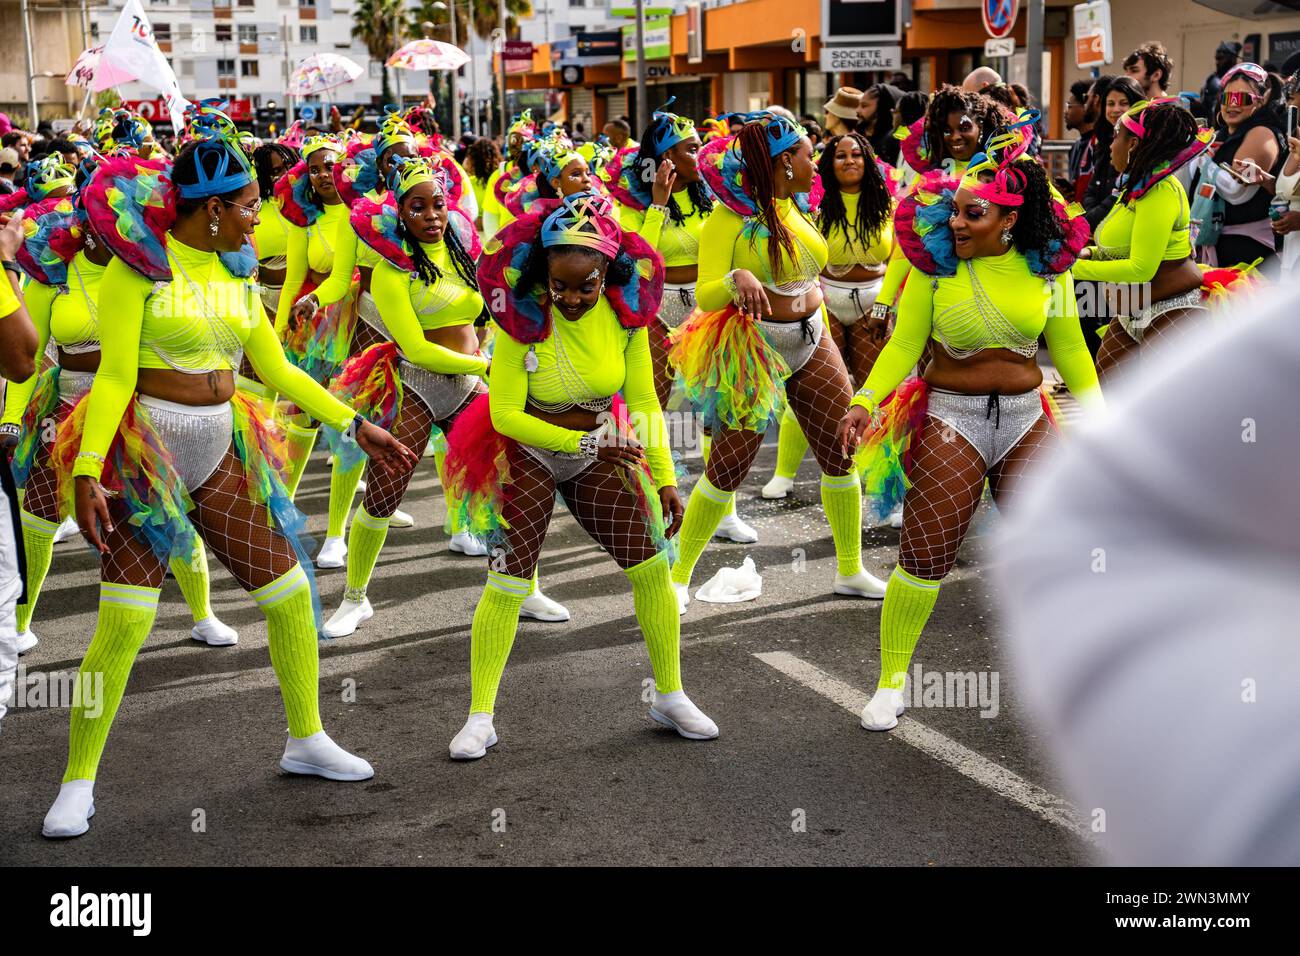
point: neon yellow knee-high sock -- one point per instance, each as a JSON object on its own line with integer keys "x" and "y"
{"x": 842, "y": 502}
{"x": 493, "y": 633}
{"x": 706, "y": 445}
{"x": 791, "y": 445}
{"x": 38, "y": 541}
{"x": 343, "y": 488}
{"x": 909, "y": 600}
{"x": 365, "y": 541}
{"x": 291, "y": 636}
{"x": 301, "y": 441}
{"x": 454, "y": 524}
{"x": 705, "y": 508}
{"x": 126, "y": 616}
{"x": 656, "y": 611}
{"x": 192, "y": 578}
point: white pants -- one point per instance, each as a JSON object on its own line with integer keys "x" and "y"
{"x": 11, "y": 586}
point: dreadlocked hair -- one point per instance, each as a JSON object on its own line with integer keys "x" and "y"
{"x": 874, "y": 204}
{"x": 537, "y": 264}
{"x": 951, "y": 99}
{"x": 1036, "y": 223}
{"x": 696, "y": 191}
{"x": 760, "y": 180}
{"x": 262, "y": 157}
{"x": 1169, "y": 130}
{"x": 484, "y": 157}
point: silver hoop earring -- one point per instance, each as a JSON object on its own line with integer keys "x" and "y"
{"x": 213, "y": 227}
{"x": 1006, "y": 237}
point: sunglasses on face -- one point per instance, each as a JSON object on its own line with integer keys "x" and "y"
{"x": 1238, "y": 98}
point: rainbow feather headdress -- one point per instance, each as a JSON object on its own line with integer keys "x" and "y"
{"x": 54, "y": 231}
{"x": 722, "y": 164}
{"x": 376, "y": 221}
{"x": 586, "y": 220}
{"x": 523, "y": 125}
{"x": 47, "y": 174}
{"x": 216, "y": 136}
{"x": 116, "y": 129}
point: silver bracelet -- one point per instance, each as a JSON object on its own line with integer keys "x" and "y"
{"x": 589, "y": 446}
{"x": 661, "y": 208}
{"x": 729, "y": 283}
{"x": 880, "y": 310}
{"x": 91, "y": 455}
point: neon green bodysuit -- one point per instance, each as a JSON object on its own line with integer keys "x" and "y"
{"x": 724, "y": 248}
{"x": 1137, "y": 236}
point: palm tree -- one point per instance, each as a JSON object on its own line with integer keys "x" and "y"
{"x": 373, "y": 23}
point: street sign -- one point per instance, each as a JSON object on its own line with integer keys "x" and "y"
{"x": 999, "y": 47}
{"x": 604, "y": 43}
{"x": 658, "y": 40}
{"x": 1092, "y": 35}
{"x": 852, "y": 59}
{"x": 999, "y": 16}
{"x": 518, "y": 50}
{"x": 648, "y": 11}
{"x": 307, "y": 114}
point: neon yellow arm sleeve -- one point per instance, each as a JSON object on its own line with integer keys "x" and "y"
{"x": 391, "y": 289}
{"x": 122, "y": 294}
{"x": 508, "y": 390}
{"x": 40, "y": 302}
{"x": 267, "y": 356}
{"x": 649, "y": 225}
{"x": 294, "y": 276}
{"x": 904, "y": 348}
{"x": 339, "y": 282}
{"x": 1065, "y": 342}
{"x": 717, "y": 240}
{"x": 1154, "y": 216}
{"x": 895, "y": 273}
{"x": 8, "y": 300}
{"x": 644, "y": 410}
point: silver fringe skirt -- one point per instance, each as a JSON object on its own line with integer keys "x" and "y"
{"x": 1136, "y": 326}
{"x": 678, "y": 302}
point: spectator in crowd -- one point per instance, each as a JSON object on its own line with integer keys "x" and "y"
{"x": 19, "y": 142}
{"x": 979, "y": 78}
{"x": 1151, "y": 68}
{"x": 1230, "y": 188}
{"x": 909, "y": 108}
{"x": 1287, "y": 224}
{"x": 1082, "y": 118}
{"x": 814, "y": 130}
{"x": 618, "y": 132}
{"x": 842, "y": 111}
{"x": 876, "y": 120}
{"x": 18, "y": 344}
{"x": 1225, "y": 58}
{"x": 9, "y": 167}
{"x": 1117, "y": 96}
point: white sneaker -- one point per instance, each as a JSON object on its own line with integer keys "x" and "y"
{"x": 778, "y": 487}
{"x": 348, "y": 618}
{"x": 474, "y": 738}
{"x": 861, "y": 584}
{"x": 675, "y": 710}
{"x": 68, "y": 529}
{"x": 361, "y": 486}
{"x": 319, "y": 756}
{"x": 541, "y": 608}
{"x": 70, "y": 814}
{"x": 734, "y": 529}
{"x": 896, "y": 517}
{"x": 683, "y": 596}
{"x": 401, "y": 519}
{"x": 333, "y": 553}
{"x": 462, "y": 542}
{"x": 26, "y": 641}
{"x": 214, "y": 633}
{"x": 883, "y": 710}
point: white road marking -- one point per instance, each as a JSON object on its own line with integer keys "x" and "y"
{"x": 983, "y": 771}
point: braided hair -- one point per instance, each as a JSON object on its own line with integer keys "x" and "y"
{"x": 760, "y": 176}
{"x": 1169, "y": 130}
{"x": 874, "y": 203}
{"x": 262, "y": 157}
{"x": 461, "y": 262}
{"x": 1036, "y": 223}
{"x": 952, "y": 99}
{"x": 647, "y": 163}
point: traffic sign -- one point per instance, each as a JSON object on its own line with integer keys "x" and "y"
{"x": 999, "y": 16}
{"x": 307, "y": 114}
{"x": 1092, "y": 35}
{"x": 999, "y": 47}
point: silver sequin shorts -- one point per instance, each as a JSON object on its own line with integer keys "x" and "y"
{"x": 197, "y": 436}
{"x": 271, "y": 298}
{"x": 563, "y": 465}
{"x": 850, "y": 301}
{"x": 678, "y": 302}
{"x": 1136, "y": 326}
{"x": 790, "y": 339}
{"x": 442, "y": 394}
{"x": 73, "y": 385}
{"x": 993, "y": 424}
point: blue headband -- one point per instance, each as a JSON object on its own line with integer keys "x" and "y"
{"x": 668, "y": 129}
{"x": 781, "y": 133}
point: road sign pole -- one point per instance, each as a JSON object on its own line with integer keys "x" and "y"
{"x": 1034, "y": 53}
{"x": 641, "y": 116}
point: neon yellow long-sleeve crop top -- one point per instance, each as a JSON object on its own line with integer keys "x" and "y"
{"x": 409, "y": 308}
{"x": 723, "y": 247}
{"x": 992, "y": 302}
{"x": 271, "y": 236}
{"x": 350, "y": 254}
{"x": 310, "y": 248}
{"x": 1136, "y": 237}
{"x": 595, "y": 354}
{"x": 194, "y": 321}
{"x": 67, "y": 318}
{"x": 678, "y": 244}
{"x": 845, "y": 252}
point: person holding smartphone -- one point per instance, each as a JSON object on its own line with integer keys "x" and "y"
{"x": 1287, "y": 223}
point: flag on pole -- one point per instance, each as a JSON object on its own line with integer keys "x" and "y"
{"x": 131, "y": 53}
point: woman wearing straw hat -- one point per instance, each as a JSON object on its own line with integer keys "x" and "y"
{"x": 842, "y": 111}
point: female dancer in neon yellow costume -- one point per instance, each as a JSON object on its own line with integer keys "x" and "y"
{"x": 663, "y": 198}
{"x": 991, "y": 256}
{"x": 571, "y": 294}
{"x": 508, "y": 175}
{"x": 428, "y": 370}
{"x": 758, "y": 336}
{"x": 856, "y": 215}
{"x": 65, "y": 263}
{"x": 164, "y": 445}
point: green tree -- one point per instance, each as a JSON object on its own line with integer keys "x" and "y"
{"x": 374, "y": 23}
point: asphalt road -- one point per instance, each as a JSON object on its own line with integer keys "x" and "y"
{"x": 581, "y": 775}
